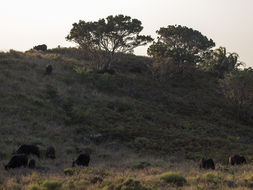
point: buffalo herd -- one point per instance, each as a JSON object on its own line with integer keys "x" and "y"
{"x": 232, "y": 160}
{"x": 21, "y": 157}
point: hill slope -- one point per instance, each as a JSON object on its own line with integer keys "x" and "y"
{"x": 74, "y": 108}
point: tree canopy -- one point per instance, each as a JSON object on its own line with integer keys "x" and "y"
{"x": 220, "y": 62}
{"x": 111, "y": 35}
{"x": 181, "y": 43}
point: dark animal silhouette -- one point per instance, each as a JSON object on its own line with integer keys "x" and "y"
{"x": 50, "y": 152}
{"x": 49, "y": 69}
{"x": 82, "y": 160}
{"x": 31, "y": 164}
{"x": 17, "y": 161}
{"x": 42, "y": 47}
{"x": 206, "y": 164}
{"x": 236, "y": 160}
{"x": 29, "y": 149}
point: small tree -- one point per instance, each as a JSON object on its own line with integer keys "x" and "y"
{"x": 106, "y": 37}
{"x": 184, "y": 45}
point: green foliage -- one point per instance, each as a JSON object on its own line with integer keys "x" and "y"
{"x": 129, "y": 184}
{"x": 174, "y": 178}
{"x": 220, "y": 62}
{"x": 181, "y": 44}
{"x": 238, "y": 88}
{"x": 68, "y": 171}
{"x": 141, "y": 165}
{"x": 141, "y": 143}
{"x": 111, "y": 35}
{"x": 51, "y": 185}
{"x": 34, "y": 187}
{"x": 212, "y": 177}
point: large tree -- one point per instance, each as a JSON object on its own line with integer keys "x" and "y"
{"x": 109, "y": 36}
{"x": 180, "y": 43}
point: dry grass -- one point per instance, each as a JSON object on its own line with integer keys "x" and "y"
{"x": 115, "y": 172}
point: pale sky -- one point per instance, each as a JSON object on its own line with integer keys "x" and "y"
{"x": 26, "y": 23}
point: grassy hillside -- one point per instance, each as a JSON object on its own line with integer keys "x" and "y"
{"x": 134, "y": 126}
{"x": 75, "y": 108}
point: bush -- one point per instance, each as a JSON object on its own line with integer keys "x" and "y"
{"x": 141, "y": 165}
{"x": 130, "y": 184}
{"x": 69, "y": 171}
{"x": 51, "y": 185}
{"x": 173, "y": 178}
{"x": 141, "y": 142}
{"x": 212, "y": 177}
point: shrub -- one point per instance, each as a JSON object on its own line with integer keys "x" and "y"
{"x": 212, "y": 177}
{"x": 69, "y": 171}
{"x": 51, "y": 185}
{"x": 141, "y": 165}
{"x": 174, "y": 178}
{"x": 130, "y": 184}
{"x": 141, "y": 142}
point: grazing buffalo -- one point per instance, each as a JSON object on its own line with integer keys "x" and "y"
{"x": 82, "y": 160}
{"x": 236, "y": 160}
{"x": 206, "y": 164}
{"x": 49, "y": 69}
{"x": 17, "y": 161}
{"x": 29, "y": 149}
{"x": 50, "y": 152}
{"x": 31, "y": 164}
{"x": 42, "y": 47}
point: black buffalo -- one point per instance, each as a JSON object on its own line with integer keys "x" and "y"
{"x": 206, "y": 164}
{"x": 42, "y": 47}
{"x": 82, "y": 160}
{"x": 49, "y": 69}
{"x": 50, "y": 152}
{"x": 17, "y": 161}
{"x": 236, "y": 160}
{"x": 31, "y": 164}
{"x": 29, "y": 149}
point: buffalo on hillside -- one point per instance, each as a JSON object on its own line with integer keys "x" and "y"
{"x": 42, "y": 47}
{"x": 206, "y": 164}
{"x": 17, "y": 161}
{"x": 49, "y": 69}
{"x": 82, "y": 160}
{"x": 236, "y": 160}
{"x": 29, "y": 149}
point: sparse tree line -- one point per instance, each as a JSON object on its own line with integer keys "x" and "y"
{"x": 178, "y": 52}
